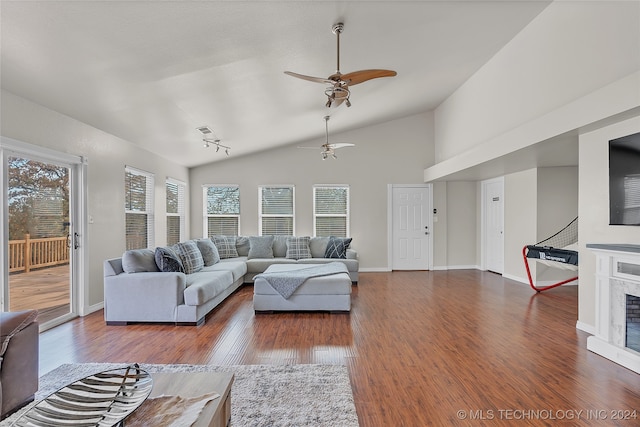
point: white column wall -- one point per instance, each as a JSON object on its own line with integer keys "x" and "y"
{"x": 593, "y": 209}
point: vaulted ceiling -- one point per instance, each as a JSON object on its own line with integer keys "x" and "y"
{"x": 151, "y": 72}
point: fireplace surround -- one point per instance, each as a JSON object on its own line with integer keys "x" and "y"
{"x": 617, "y": 334}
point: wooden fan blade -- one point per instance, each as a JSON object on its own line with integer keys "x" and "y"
{"x": 337, "y": 145}
{"x": 357, "y": 77}
{"x": 310, "y": 78}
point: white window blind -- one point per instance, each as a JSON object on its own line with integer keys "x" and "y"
{"x": 221, "y": 205}
{"x": 331, "y": 210}
{"x": 175, "y": 211}
{"x": 631, "y": 211}
{"x": 139, "y": 219}
{"x": 276, "y": 207}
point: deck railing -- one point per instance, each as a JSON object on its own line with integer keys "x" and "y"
{"x": 29, "y": 253}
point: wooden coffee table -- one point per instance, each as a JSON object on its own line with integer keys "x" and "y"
{"x": 216, "y": 413}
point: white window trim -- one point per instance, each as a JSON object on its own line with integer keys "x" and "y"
{"x": 206, "y": 215}
{"x": 150, "y": 203}
{"x": 293, "y": 207}
{"x": 348, "y": 214}
{"x": 182, "y": 192}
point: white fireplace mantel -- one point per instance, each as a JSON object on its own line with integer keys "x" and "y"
{"x": 617, "y": 274}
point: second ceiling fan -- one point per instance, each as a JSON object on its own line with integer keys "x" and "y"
{"x": 338, "y": 91}
{"x": 329, "y": 149}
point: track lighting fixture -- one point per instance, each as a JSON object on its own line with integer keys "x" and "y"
{"x": 210, "y": 139}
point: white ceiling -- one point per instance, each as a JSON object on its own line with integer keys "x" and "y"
{"x": 150, "y": 72}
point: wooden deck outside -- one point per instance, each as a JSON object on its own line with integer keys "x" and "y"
{"x": 46, "y": 290}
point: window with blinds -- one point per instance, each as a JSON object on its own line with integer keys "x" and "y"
{"x": 221, "y": 210}
{"x": 331, "y": 210}
{"x": 631, "y": 212}
{"x": 138, "y": 209}
{"x": 276, "y": 207}
{"x": 175, "y": 210}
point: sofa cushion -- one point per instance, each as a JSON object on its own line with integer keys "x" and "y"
{"x": 203, "y": 286}
{"x": 237, "y": 267}
{"x": 168, "y": 261}
{"x": 318, "y": 246}
{"x": 259, "y": 265}
{"x": 337, "y": 247}
{"x": 280, "y": 246}
{"x": 226, "y": 246}
{"x": 260, "y": 247}
{"x": 351, "y": 264}
{"x": 298, "y": 247}
{"x": 209, "y": 252}
{"x": 190, "y": 256}
{"x": 139, "y": 261}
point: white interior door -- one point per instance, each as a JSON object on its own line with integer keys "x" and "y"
{"x": 411, "y": 228}
{"x": 494, "y": 225}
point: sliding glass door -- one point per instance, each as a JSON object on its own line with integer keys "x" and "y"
{"x": 40, "y": 235}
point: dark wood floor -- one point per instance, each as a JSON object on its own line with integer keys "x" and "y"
{"x": 422, "y": 348}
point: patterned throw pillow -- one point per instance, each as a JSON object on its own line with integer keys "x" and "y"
{"x": 226, "y": 246}
{"x": 337, "y": 247}
{"x": 260, "y": 247}
{"x": 168, "y": 261}
{"x": 209, "y": 252}
{"x": 190, "y": 256}
{"x": 298, "y": 247}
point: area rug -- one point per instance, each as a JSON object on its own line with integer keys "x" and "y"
{"x": 261, "y": 395}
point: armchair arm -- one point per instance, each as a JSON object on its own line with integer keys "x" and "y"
{"x": 149, "y": 296}
{"x": 11, "y": 323}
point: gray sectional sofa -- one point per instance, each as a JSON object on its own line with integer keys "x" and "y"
{"x": 181, "y": 284}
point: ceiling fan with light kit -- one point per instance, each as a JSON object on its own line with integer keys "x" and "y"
{"x": 338, "y": 90}
{"x": 329, "y": 149}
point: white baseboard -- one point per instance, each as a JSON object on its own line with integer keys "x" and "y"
{"x": 516, "y": 278}
{"x": 374, "y": 270}
{"x": 455, "y": 267}
{"x": 93, "y": 308}
{"x": 585, "y": 327}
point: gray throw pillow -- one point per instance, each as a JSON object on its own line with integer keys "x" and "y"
{"x": 190, "y": 256}
{"x": 226, "y": 246}
{"x": 242, "y": 245}
{"x": 139, "y": 261}
{"x": 298, "y": 247}
{"x": 260, "y": 247}
{"x": 318, "y": 246}
{"x": 168, "y": 261}
{"x": 337, "y": 247}
{"x": 209, "y": 252}
{"x": 280, "y": 246}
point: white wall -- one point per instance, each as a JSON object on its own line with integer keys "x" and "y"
{"x": 520, "y": 221}
{"x": 570, "y": 50}
{"x": 461, "y": 224}
{"x": 557, "y": 207}
{"x": 107, "y": 156}
{"x": 394, "y": 152}
{"x": 440, "y": 226}
{"x": 593, "y": 208}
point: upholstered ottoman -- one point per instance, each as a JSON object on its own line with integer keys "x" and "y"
{"x": 324, "y": 293}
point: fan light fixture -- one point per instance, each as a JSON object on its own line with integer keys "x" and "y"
{"x": 337, "y": 91}
{"x": 209, "y": 139}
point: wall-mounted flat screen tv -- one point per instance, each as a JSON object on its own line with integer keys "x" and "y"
{"x": 624, "y": 180}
